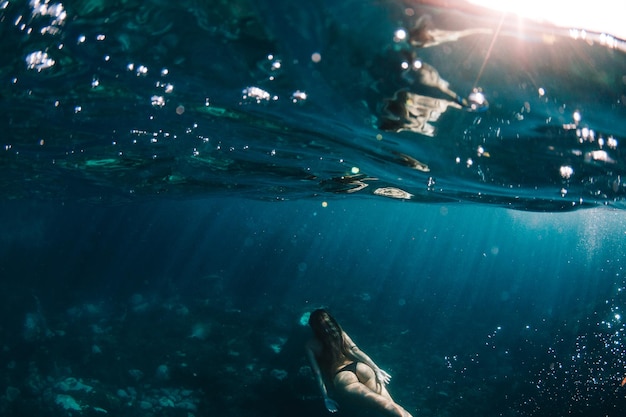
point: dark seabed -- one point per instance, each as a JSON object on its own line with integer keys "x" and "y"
{"x": 182, "y": 182}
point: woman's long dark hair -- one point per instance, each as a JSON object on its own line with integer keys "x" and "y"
{"x": 329, "y": 333}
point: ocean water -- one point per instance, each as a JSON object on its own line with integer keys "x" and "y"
{"x": 182, "y": 182}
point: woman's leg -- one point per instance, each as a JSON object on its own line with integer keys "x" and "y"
{"x": 350, "y": 385}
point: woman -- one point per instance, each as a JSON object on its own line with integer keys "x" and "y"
{"x": 337, "y": 360}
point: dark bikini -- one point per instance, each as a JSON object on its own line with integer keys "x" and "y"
{"x": 349, "y": 367}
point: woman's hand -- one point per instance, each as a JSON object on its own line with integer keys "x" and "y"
{"x": 382, "y": 377}
{"x": 331, "y": 405}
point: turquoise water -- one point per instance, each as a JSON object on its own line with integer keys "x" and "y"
{"x": 181, "y": 182}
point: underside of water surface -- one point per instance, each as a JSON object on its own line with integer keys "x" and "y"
{"x": 277, "y": 101}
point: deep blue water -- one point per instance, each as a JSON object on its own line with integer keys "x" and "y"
{"x": 473, "y": 310}
{"x": 182, "y": 182}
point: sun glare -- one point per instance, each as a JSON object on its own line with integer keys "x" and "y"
{"x": 603, "y": 16}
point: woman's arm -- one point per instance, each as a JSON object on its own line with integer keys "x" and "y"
{"x": 381, "y": 376}
{"x": 316, "y": 369}
{"x": 330, "y": 404}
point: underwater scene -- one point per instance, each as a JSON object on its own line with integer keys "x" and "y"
{"x": 183, "y": 183}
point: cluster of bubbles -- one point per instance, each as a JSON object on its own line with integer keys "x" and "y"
{"x": 558, "y": 368}
{"x": 45, "y": 18}
{"x": 272, "y": 67}
{"x": 590, "y": 372}
{"x": 602, "y": 150}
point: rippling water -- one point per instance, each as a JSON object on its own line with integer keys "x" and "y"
{"x": 124, "y": 100}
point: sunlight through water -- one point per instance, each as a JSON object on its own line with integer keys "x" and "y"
{"x": 604, "y": 17}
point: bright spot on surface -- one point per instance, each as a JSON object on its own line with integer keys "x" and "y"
{"x": 599, "y": 156}
{"x": 324, "y": 204}
{"x": 157, "y": 101}
{"x": 541, "y": 92}
{"x": 566, "y": 171}
{"x": 316, "y": 57}
{"x": 577, "y": 117}
{"x": 393, "y": 192}
{"x": 39, "y": 61}
{"x": 298, "y": 96}
{"x": 618, "y": 317}
{"x": 256, "y": 94}
{"x": 355, "y": 170}
{"x": 399, "y": 35}
{"x": 565, "y": 13}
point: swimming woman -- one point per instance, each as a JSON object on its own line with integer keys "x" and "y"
{"x": 337, "y": 360}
